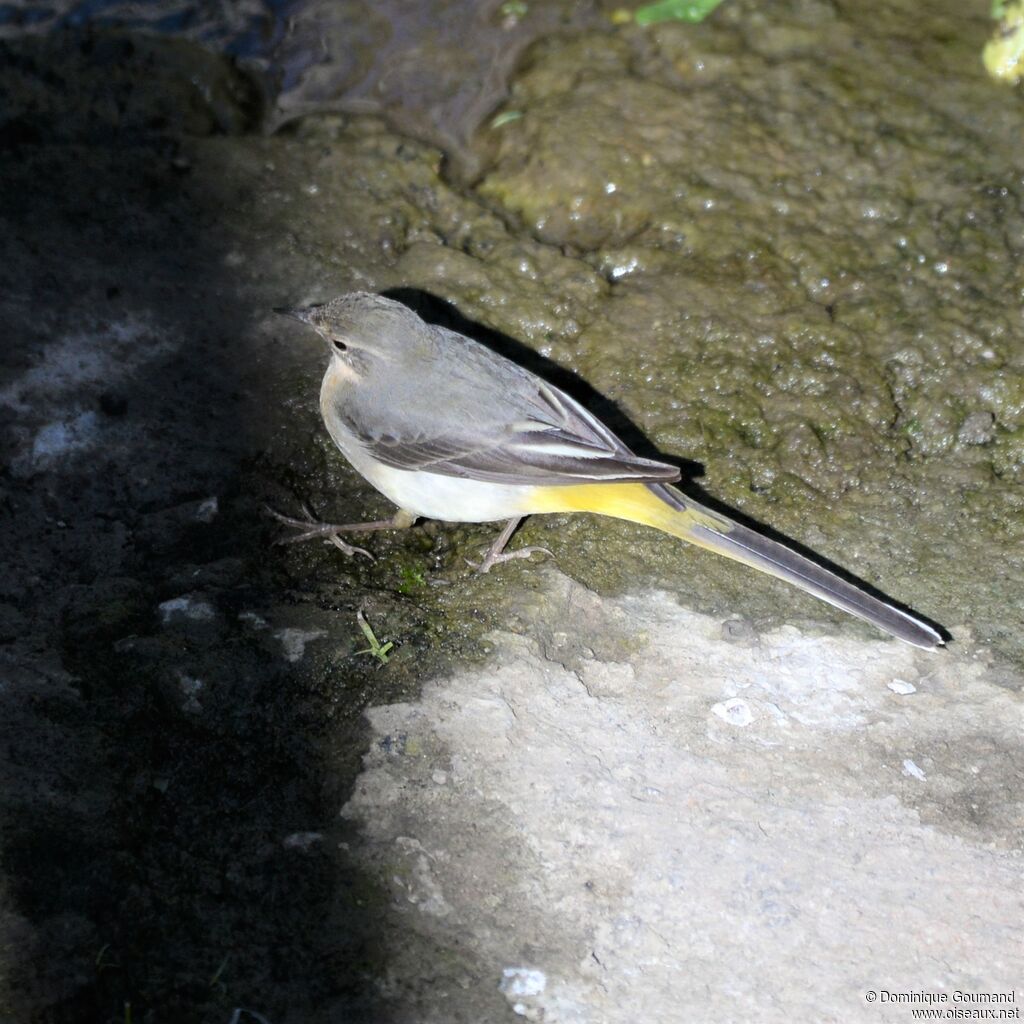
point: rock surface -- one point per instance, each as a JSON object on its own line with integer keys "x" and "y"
{"x": 645, "y": 783}
{"x": 702, "y": 825}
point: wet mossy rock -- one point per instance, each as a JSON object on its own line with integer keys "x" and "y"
{"x": 812, "y": 235}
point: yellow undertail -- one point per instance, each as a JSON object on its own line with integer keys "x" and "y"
{"x": 667, "y": 509}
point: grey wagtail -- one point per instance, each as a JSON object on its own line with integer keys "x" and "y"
{"x": 447, "y": 429}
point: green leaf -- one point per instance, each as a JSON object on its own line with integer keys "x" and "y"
{"x": 675, "y": 10}
{"x": 505, "y": 117}
{"x": 376, "y": 648}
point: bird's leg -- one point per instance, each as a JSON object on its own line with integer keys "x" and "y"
{"x": 497, "y": 554}
{"x": 311, "y": 528}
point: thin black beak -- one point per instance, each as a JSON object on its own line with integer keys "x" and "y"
{"x": 296, "y": 312}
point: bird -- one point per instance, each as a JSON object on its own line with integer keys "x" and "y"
{"x": 448, "y": 429}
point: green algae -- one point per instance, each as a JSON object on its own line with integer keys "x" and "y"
{"x": 814, "y": 267}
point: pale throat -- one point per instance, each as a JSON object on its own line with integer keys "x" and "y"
{"x": 339, "y": 372}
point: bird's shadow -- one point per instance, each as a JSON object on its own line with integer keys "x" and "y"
{"x": 435, "y": 310}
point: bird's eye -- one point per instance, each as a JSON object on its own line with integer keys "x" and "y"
{"x": 339, "y": 346}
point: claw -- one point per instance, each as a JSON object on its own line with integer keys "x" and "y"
{"x": 349, "y": 549}
{"x": 299, "y": 524}
{"x": 491, "y": 561}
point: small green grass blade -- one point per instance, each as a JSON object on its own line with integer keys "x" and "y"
{"x": 674, "y": 10}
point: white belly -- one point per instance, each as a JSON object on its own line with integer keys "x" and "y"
{"x": 448, "y": 498}
{"x": 430, "y": 495}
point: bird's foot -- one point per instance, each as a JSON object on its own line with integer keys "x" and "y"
{"x": 310, "y": 528}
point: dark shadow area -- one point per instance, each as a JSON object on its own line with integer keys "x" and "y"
{"x": 169, "y": 783}
{"x": 438, "y": 311}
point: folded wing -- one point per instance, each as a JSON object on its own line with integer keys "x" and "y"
{"x": 557, "y": 442}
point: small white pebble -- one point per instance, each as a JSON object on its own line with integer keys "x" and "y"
{"x": 901, "y": 686}
{"x": 207, "y": 510}
{"x": 622, "y": 269}
{"x": 977, "y": 428}
{"x": 186, "y": 607}
{"x": 735, "y": 711}
{"x": 294, "y": 641}
{"x": 911, "y": 769}
{"x": 522, "y": 981}
{"x": 190, "y": 690}
{"x": 60, "y": 438}
{"x": 440, "y": 778}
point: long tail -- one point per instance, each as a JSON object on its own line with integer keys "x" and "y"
{"x": 669, "y": 510}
